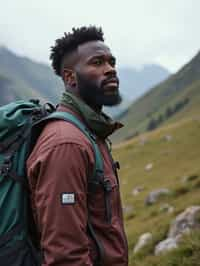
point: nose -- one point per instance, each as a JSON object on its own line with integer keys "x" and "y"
{"x": 109, "y": 69}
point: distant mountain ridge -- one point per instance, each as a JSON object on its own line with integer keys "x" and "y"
{"x": 135, "y": 82}
{"x": 185, "y": 84}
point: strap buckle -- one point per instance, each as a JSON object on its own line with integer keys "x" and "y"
{"x": 95, "y": 181}
{"x": 107, "y": 185}
{"x": 6, "y": 166}
{"x": 117, "y": 165}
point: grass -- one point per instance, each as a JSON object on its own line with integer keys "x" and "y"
{"x": 184, "y": 84}
{"x": 171, "y": 162}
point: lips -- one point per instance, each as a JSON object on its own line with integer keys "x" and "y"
{"x": 113, "y": 82}
{"x": 111, "y": 87}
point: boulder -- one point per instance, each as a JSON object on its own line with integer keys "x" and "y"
{"x": 186, "y": 221}
{"x": 183, "y": 223}
{"x": 186, "y": 179}
{"x": 127, "y": 209}
{"x": 154, "y": 195}
{"x": 165, "y": 207}
{"x": 137, "y": 190}
{"x": 143, "y": 140}
{"x": 143, "y": 241}
{"x": 168, "y": 137}
{"x": 149, "y": 166}
{"x": 165, "y": 245}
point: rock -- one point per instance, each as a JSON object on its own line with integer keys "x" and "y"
{"x": 165, "y": 245}
{"x": 149, "y": 166}
{"x": 154, "y": 195}
{"x": 137, "y": 190}
{"x": 127, "y": 209}
{"x": 143, "y": 140}
{"x": 189, "y": 178}
{"x": 168, "y": 137}
{"x": 165, "y": 207}
{"x": 184, "y": 179}
{"x": 143, "y": 241}
{"x": 184, "y": 222}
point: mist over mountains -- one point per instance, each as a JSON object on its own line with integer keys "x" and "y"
{"x": 22, "y": 78}
{"x": 135, "y": 82}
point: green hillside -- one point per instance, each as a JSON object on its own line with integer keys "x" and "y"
{"x": 27, "y": 79}
{"x": 185, "y": 84}
{"x": 173, "y": 152}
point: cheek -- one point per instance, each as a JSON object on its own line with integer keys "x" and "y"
{"x": 95, "y": 75}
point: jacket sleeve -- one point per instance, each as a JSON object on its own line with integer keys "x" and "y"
{"x": 58, "y": 178}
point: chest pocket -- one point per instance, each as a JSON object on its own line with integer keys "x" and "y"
{"x": 103, "y": 195}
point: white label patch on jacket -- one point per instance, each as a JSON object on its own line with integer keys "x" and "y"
{"x": 68, "y": 198}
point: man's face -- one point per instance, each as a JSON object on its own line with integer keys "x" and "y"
{"x": 96, "y": 75}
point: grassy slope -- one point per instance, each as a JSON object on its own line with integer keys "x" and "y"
{"x": 171, "y": 161}
{"x": 193, "y": 108}
{"x": 184, "y": 83}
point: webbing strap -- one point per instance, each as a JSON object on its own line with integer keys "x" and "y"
{"x": 100, "y": 248}
{"x": 107, "y": 190}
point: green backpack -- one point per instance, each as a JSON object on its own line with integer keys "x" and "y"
{"x": 21, "y": 123}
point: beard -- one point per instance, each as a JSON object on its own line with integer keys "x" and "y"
{"x": 94, "y": 95}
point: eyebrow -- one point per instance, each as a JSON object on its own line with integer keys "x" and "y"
{"x": 102, "y": 56}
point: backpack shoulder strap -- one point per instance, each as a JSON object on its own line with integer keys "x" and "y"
{"x": 75, "y": 121}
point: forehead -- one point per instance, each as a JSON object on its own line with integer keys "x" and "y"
{"x": 93, "y": 48}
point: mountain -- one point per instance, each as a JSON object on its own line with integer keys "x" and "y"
{"x": 135, "y": 82}
{"x": 27, "y": 79}
{"x": 173, "y": 99}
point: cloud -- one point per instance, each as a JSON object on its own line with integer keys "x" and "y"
{"x": 138, "y": 32}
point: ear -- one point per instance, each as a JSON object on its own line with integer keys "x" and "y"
{"x": 69, "y": 77}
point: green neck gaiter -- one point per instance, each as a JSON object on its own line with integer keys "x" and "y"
{"x": 99, "y": 123}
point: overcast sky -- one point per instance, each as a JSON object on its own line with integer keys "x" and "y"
{"x": 138, "y": 32}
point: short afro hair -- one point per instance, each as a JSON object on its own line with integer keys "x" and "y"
{"x": 70, "y": 41}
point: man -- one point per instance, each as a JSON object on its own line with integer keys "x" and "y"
{"x": 78, "y": 227}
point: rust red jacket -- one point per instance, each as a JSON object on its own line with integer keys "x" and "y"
{"x": 58, "y": 170}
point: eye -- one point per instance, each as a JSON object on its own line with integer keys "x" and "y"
{"x": 112, "y": 62}
{"x": 97, "y": 61}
